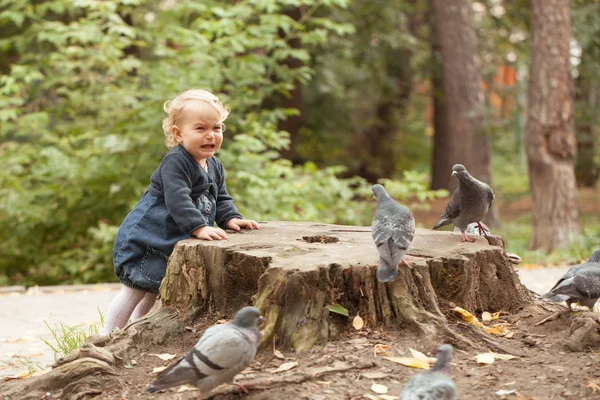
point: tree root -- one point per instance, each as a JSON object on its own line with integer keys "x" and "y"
{"x": 583, "y": 335}
{"x": 311, "y": 373}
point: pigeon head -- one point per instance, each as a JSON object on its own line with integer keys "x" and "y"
{"x": 444, "y": 354}
{"x": 248, "y": 317}
{"x": 379, "y": 192}
{"x": 460, "y": 171}
{"x": 595, "y": 257}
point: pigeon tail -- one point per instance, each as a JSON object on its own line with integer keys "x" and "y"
{"x": 386, "y": 272}
{"x": 554, "y": 297}
{"x": 442, "y": 222}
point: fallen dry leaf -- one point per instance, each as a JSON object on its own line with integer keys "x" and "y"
{"x": 278, "y": 354}
{"x": 285, "y": 367}
{"x": 358, "y": 322}
{"x": 20, "y": 375}
{"x": 387, "y": 397}
{"x": 186, "y": 388}
{"x": 485, "y": 358}
{"x": 165, "y": 356}
{"x": 471, "y": 319}
{"x": 381, "y": 349}
{"x": 489, "y": 358}
{"x": 158, "y": 369}
{"x": 421, "y": 356}
{"x": 409, "y": 362}
{"x": 379, "y": 389}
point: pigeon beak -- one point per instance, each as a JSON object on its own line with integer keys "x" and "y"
{"x": 454, "y": 173}
{"x": 372, "y": 194}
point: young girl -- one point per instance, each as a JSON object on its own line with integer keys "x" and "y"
{"x": 186, "y": 196}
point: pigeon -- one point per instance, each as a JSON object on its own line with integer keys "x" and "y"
{"x": 393, "y": 229}
{"x": 469, "y": 203}
{"x": 221, "y": 353}
{"x": 435, "y": 384}
{"x": 581, "y": 283}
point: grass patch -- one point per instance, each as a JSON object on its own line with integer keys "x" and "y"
{"x": 68, "y": 338}
{"x": 517, "y": 231}
{"x": 21, "y": 363}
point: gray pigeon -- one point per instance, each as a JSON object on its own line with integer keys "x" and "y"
{"x": 393, "y": 229}
{"x": 221, "y": 353}
{"x": 469, "y": 203}
{"x": 436, "y": 384}
{"x": 581, "y": 283}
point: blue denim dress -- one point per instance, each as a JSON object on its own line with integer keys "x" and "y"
{"x": 148, "y": 234}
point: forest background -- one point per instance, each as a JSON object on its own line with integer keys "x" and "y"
{"x": 328, "y": 97}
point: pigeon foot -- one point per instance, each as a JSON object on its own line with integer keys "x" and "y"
{"x": 406, "y": 263}
{"x": 465, "y": 238}
{"x": 482, "y": 229}
{"x": 594, "y": 386}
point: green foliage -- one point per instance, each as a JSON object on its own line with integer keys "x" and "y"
{"x": 81, "y": 97}
{"x": 68, "y": 338}
{"x": 413, "y": 189}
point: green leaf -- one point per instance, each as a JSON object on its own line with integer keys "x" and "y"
{"x": 338, "y": 309}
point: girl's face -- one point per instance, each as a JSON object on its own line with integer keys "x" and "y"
{"x": 199, "y": 131}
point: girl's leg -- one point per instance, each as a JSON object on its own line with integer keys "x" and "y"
{"x": 144, "y": 306}
{"x": 121, "y": 308}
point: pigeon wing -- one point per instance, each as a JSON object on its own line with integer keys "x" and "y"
{"x": 453, "y": 208}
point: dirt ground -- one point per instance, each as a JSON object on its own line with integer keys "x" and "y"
{"x": 545, "y": 369}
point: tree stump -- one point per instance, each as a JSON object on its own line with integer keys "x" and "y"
{"x": 293, "y": 271}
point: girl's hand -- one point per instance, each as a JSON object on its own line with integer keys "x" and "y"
{"x": 236, "y": 224}
{"x": 209, "y": 233}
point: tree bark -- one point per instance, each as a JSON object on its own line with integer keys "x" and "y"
{"x": 295, "y": 99}
{"x": 459, "y": 104}
{"x": 458, "y": 99}
{"x": 549, "y": 139}
{"x": 587, "y": 100}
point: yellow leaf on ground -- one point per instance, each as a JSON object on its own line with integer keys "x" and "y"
{"x": 285, "y": 367}
{"x": 158, "y": 369}
{"x": 467, "y": 316}
{"x": 20, "y": 375}
{"x": 409, "y": 362}
{"x": 487, "y": 317}
{"x": 358, "y": 323}
{"x": 165, "y": 356}
{"x": 421, "y": 356}
{"x": 379, "y": 389}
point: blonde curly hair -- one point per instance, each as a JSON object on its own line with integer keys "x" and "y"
{"x": 174, "y": 109}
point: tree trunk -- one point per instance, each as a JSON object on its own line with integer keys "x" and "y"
{"x": 295, "y": 99}
{"x": 459, "y": 104}
{"x": 458, "y": 99}
{"x": 550, "y": 140}
{"x": 587, "y": 100}
{"x": 293, "y": 272}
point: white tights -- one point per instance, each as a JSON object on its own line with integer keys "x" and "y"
{"x": 127, "y": 303}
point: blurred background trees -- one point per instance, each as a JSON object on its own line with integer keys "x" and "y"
{"x": 328, "y": 97}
